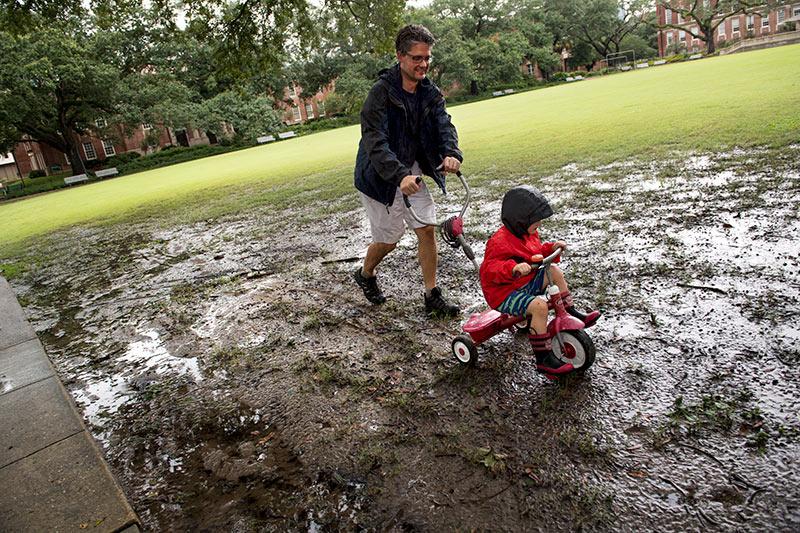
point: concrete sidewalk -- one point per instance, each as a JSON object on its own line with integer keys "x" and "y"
{"x": 52, "y": 475}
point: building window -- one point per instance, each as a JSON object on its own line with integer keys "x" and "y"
{"x": 667, "y": 16}
{"x": 296, "y": 113}
{"x": 722, "y": 31}
{"x": 683, "y": 36}
{"x": 751, "y": 22}
{"x": 781, "y": 15}
{"x": 669, "y": 39}
{"x": 680, "y": 19}
{"x": 292, "y": 92}
{"x": 309, "y": 111}
{"x": 735, "y": 26}
{"x": 764, "y": 22}
{"x": 321, "y": 107}
{"x": 101, "y": 123}
{"x": 108, "y": 148}
{"x": 530, "y": 69}
{"x": 147, "y": 126}
{"x": 796, "y": 11}
{"x": 88, "y": 150}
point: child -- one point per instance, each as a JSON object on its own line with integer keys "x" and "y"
{"x": 506, "y": 273}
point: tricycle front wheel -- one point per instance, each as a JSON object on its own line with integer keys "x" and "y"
{"x": 577, "y": 349}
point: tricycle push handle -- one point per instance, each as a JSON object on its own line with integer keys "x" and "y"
{"x": 435, "y": 223}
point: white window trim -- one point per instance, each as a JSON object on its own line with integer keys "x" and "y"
{"x": 682, "y": 36}
{"x": 109, "y": 145}
{"x": 86, "y": 152}
{"x": 750, "y": 22}
{"x": 781, "y": 15}
{"x": 796, "y": 11}
{"x": 764, "y": 22}
{"x": 321, "y": 107}
{"x": 101, "y": 123}
{"x": 296, "y": 113}
{"x": 309, "y": 111}
{"x": 147, "y": 126}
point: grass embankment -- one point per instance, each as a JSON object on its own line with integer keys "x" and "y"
{"x": 738, "y": 100}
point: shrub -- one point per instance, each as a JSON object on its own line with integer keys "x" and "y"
{"x": 180, "y": 154}
{"x": 326, "y": 123}
{"x": 121, "y": 159}
{"x": 37, "y": 174}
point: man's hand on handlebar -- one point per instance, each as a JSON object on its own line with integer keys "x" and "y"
{"x": 409, "y": 185}
{"x": 451, "y": 164}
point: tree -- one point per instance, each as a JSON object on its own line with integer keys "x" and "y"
{"x": 250, "y": 115}
{"x": 603, "y": 24}
{"x": 51, "y": 88}
{"x": 707, "y": 16}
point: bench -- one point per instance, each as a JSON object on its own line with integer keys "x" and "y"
{"x": 570, "y": 78}
{"x": 265, "y": 139}
{"x": 659, "y": 62}
{"x": 78, "y": 178}
{"x": 642, "y": 65}
{"x": 106, "y": 172}
{"x": 625, "y": 68}
{"x": 508, "y": 91}
{"x": 287, "y": 135}
{"x": 695, "y": 56}
{"x": 578, "y": 78}
{"x": 498, "y": 93}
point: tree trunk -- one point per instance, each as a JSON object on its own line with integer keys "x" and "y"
{"x": 473, "y": 87}
{"x": 711, "y": 46}
{"x": 75, "y": 160}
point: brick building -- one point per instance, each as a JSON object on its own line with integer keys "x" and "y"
{"x": 738, "y": 27}
{"x": 100, "y": 145}
{"x": 302, "y": 109}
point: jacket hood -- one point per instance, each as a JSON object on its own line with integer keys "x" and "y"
{"x": 522, "y": 206}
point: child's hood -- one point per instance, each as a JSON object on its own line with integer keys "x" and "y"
{"x": 522, "y": 206}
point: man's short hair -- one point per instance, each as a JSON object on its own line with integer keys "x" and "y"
{"x": 413, "y": 33}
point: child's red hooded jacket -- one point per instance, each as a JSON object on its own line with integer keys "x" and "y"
{"x": 503, "y": 251}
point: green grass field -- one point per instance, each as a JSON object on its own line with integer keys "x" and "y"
{"x": 739, "y": 100}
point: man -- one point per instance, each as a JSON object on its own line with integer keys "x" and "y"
{"x": 405, "y": 131}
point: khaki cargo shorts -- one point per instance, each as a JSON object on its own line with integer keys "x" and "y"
{"x": 388, "y": 223}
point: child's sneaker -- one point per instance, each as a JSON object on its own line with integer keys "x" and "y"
{"x": 436, "y": 305}
{"x": 370, "y": 287}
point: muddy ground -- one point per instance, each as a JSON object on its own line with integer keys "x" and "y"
{"x": 237, "y": 380}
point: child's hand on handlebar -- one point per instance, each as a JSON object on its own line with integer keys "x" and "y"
{"x": 560, "y": 244}
{"x": 409, "y": 185}
{"x": 521, "y": 269}
{"x": 537, "y": 258}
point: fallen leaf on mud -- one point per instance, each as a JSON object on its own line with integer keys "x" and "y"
{"x": 637, "y": 473}
{"x": 267, "y": 438}
{"x": 531, "y": 475}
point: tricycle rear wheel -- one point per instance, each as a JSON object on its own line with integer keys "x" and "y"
{"x": 464, "y": 350}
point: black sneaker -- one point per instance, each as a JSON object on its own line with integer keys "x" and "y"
{"x": 435, "y": 304}
{"x": 370, "y": 287}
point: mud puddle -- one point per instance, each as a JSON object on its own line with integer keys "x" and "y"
{"x": 237, "y": 380}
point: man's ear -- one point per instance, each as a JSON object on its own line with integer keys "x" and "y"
{"x": 398, "y": 54}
